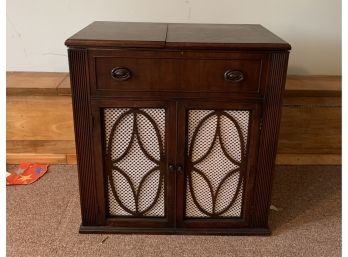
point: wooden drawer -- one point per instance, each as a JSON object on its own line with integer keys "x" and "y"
{"x": 176, "y": 71}
{"x": 144, "y": 74}
{"x": 221, "y": 75}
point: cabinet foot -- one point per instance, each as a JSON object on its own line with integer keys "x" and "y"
{"x": 175, "y": 231}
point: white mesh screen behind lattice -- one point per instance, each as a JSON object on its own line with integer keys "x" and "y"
{"x": 135, "y": 163}
{"x": 215, "y": 165}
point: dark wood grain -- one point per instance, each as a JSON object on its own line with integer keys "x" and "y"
{"x": 268, "y": 139}
{"x": 223, "y": 36}
{"x": 146, "y": 74}
{"x": 177, "y": 231}
{"x": 179, "y": 36}
{"x": 199, "y": 75}
{"x": 84, "y": 137}
{"x": 120, "y": 34}
{"x": 177, "y": 67}
{"x": 179, "y": 71}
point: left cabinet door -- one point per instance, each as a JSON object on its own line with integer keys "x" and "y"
{"x": 134, "y": 145}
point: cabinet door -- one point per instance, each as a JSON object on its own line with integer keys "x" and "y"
{"x": 216, "y": 163}
{"x": 134, "y": 143}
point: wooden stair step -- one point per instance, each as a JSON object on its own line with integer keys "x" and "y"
{"x": 58, "y": 83}
{"x": 34, "y": 83}
{"x": 40, "y": 123}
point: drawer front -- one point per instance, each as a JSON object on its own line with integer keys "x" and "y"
{"x": 221, "y": 75}
{"x": 134, "y": 74}
{"x": 173, "y": 71}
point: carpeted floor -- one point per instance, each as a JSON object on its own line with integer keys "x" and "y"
{"x": 43, "y": 220}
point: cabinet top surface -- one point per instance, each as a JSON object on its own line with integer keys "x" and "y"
{"x": 177, "y": 36}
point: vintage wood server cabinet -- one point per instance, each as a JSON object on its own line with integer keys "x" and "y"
{"x": 176, "y": 126}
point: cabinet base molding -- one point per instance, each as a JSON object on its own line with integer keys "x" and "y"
{"x": 175, "y": 231}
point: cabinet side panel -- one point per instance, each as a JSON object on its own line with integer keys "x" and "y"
{"x": 83, "y": 135}
{"x": 269, "y": 138}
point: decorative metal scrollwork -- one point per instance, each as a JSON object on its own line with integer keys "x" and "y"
{"x": 143, "y": 195}
{"x": 214, "y": 190}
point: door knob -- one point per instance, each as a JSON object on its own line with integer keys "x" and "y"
{"x": 180, "y": 169}
{"x": 171, "y": 167}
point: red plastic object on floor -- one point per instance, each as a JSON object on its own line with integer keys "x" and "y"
{"x": 26, "y": 173}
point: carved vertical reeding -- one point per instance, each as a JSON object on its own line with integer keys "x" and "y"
{"x": 269, "y": 138}
{"x": 78, "y": 66}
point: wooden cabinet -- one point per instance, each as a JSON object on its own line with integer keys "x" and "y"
{"x": 176, "y": 126}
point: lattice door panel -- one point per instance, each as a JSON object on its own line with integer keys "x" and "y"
{"x": 135, "y": 159}
{"x": 216, "y": 162}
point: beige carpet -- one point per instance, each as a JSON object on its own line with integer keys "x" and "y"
{"x": 43, "y": 220}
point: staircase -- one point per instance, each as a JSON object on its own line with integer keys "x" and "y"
{"x": 40, "y": 123}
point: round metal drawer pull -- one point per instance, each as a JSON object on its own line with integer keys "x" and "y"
{"x": 121, "y": 73}
{"x": 234, "y": 76}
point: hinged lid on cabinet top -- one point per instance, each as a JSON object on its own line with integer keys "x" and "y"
{"x": 223, "y": 36}
{"x": 177, "y": 36}
{"x": 120, "y": 34}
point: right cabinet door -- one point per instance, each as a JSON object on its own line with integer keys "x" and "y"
{"x": 216, "y": 168}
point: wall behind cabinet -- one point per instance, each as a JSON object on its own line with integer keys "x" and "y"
{"x": 36, "y": 29}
